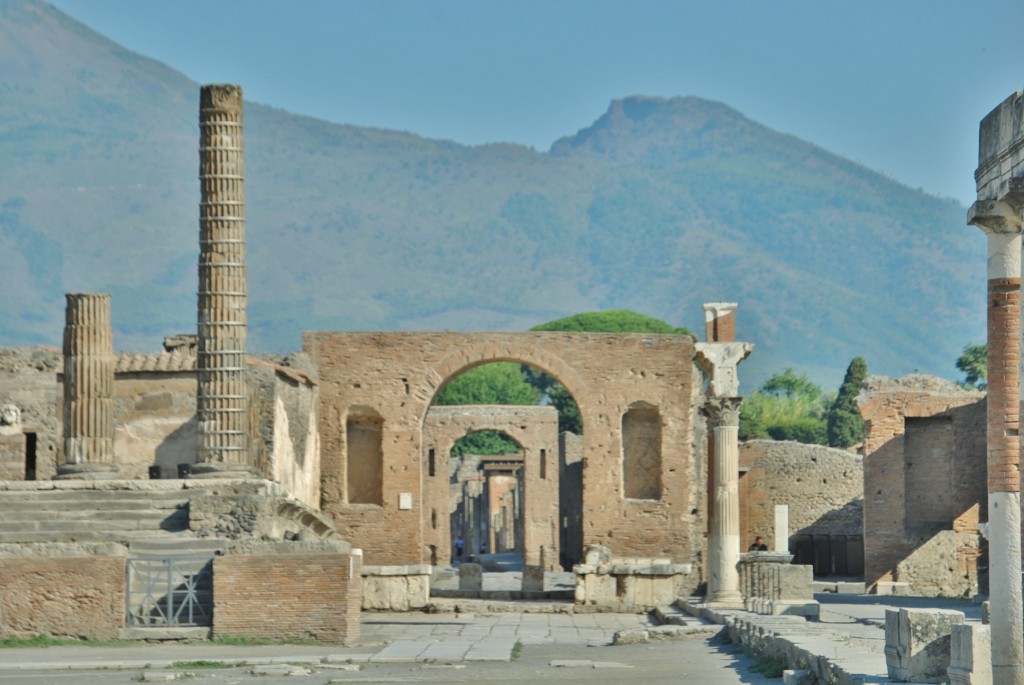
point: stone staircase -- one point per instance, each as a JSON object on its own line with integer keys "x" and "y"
{"x": 71, "y": 515}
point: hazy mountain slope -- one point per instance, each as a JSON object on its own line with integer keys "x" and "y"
{"x": 658, "y": 206}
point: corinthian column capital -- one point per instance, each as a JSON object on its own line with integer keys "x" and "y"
{"x": 723, "y": 411}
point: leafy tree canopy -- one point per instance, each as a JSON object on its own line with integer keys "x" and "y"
{"x": 497, "y": 383}
{"x": 787, "y": 406}
{"x": 611, "y": 321}
{"x": 973, "y": 363}
{"x": 485, "y": 442}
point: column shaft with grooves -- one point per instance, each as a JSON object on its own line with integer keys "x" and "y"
{"x": 222, "y": 411}
{"x": 88, "y": 387}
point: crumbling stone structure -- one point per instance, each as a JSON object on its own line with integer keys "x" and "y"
{"x": 221, "y": 407}
{"x": 88, "y": 388}
{"x": 823, "y": 491}
{"x": 924, "y": 484}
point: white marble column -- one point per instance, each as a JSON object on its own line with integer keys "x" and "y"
{"x": 724, "y": 529}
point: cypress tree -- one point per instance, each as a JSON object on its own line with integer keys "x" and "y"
{"x": 845, "y": 425}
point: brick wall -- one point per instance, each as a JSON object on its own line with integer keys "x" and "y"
{"x": 282, "y": 596}
{"x": 956, "y": 475}
{"x": 79, "y": 597}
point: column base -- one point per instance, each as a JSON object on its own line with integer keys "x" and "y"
{"x": 725, "y": 601}
{"x": 87, "y": 472}
{"x": 223, "y": 470}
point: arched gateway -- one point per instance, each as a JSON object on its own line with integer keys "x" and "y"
{"x": 376, "y": 388}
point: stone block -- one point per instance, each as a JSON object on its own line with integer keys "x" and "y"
{"x": 419, "y": 591}
{"x": 917, "y": 643}
{"x": 471, "y": 577}
{"x": 884, "y": 587}
{"x": 596, "y": 555}
{"x": 794, "y": 582}
{"x": 533, "y": 578}
{"x": 970, "y": 655}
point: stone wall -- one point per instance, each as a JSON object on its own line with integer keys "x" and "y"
{"x": 312, "y": 596}
{"x": 823, "y": 488}
{"x": 924, "y": 484}
{"x": 62, "y": 596}
{"x": 397, "y": 375}
{"x": 28, "y": 380}
{"x": 570, "y": 498}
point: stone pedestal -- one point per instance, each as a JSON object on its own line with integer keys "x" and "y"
{"x": 917, "y": 643}
{"x": 970, "y": 661}
{"x": 222, "y": 399}
{"x": 88, "y": 388}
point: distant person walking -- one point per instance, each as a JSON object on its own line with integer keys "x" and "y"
{"x": 758, "y": 545}
{"x": 459, "y": 546}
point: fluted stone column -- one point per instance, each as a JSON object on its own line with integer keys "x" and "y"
{"x": 720, "y": 361}
{"x": 88, "y": 388}
{"x": 724, "y": 527}
{"x": 222, "y": 401}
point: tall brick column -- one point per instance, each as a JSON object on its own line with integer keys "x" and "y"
{"x": 222, "y": 400}
{"x": 719, "y": 359}
{"x": 998, "y": 213}
{"x": 88, "y": 388}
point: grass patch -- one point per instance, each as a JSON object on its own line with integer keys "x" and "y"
{"x": 769, "y": 667}
{"x": 201, "y": 663}
{"x": 239, "y": 641}
{"x": 50, "y": 641}
{"x": 517, "y": 649}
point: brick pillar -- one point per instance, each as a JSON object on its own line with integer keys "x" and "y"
{"x": 724, "y": 530}
{"x": 88, "y": 388}
{"x": 222, "y": 400}
{"x": 720, "y": 322}
{"x": 1002, "y": 225}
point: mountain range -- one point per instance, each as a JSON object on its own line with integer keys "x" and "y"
{"x": 659, "y": 205}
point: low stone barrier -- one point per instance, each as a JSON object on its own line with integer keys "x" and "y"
{"x": 772, "y": 585}
{"x": 396, "y": 588}
{"x": 629, "y": 583}
{"x": 917, "y": 643}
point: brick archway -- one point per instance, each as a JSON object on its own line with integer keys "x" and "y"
{"x": 398, "y": 374}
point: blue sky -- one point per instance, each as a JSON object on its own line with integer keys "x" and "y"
{"x": 898, "y": 86}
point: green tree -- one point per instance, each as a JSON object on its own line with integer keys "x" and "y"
{"x": 611, "y": 321}
{"x": 485, "y": 442}
{"x": 845, "y": 425}
{"x": 787, "y": 406}
{"x": 973, "y": 363}
{"x": 497, "y": 383}
{"x": 608, "y": 321}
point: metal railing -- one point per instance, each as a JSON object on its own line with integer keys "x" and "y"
{"x": 170, "y": 591}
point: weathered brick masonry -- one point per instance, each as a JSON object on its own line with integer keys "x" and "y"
{"x": 78, "y": 597}
{"x": 394, "y": 377}
{"x": 924, "y": 482}
{"x": 288, "y": 596}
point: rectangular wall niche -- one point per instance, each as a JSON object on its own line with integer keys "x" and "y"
{"x": 641, "y": 452}
{"x": 364, "y": 434}
{"x": 928, "y": 472}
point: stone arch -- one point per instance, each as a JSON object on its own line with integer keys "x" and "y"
{"x": 535, "y": 429}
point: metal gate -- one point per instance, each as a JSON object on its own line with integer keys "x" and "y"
{"x": 170, "y": 591}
